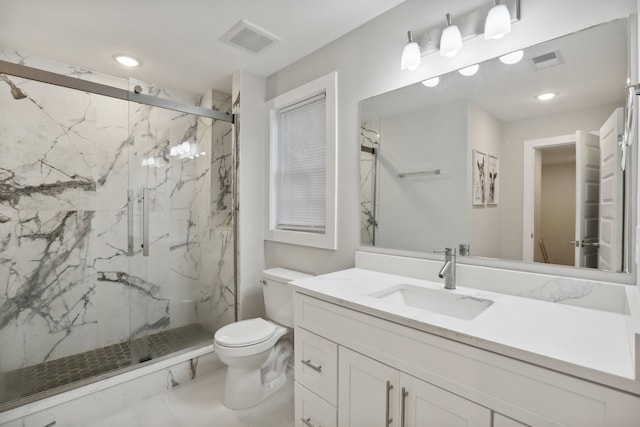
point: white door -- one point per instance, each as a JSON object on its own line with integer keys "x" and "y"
{"x": 611, "y": 178}
{"x": 428, "y": 405}
{"x": 367, "y": 391}
{"x": 587, "y": 199}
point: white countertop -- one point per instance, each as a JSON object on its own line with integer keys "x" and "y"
{"x": 590, "y": 344}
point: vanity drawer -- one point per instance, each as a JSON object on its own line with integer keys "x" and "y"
{"x": 312, "y": 411}
{"x": 317, "y": 364}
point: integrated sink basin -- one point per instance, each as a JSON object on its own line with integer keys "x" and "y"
{"x": 438, "y": 301}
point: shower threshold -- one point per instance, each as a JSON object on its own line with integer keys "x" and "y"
{"x": 19, "y": 384}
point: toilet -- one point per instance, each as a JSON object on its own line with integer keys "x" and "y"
{"x": 256, "y": 351}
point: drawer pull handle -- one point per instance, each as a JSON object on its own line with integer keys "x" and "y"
{"x": 388, "y": 420}
{"x": 307, "y": 422}
{"x": 317, "y": 368}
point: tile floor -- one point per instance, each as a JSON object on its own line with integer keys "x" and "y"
{"x": 199, "y": 403}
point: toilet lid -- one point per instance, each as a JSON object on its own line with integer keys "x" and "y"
{"x": 245, "y": 332}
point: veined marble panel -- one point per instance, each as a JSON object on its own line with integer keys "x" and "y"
{"x": 46, "y": 157}
{"x": 47, "y": 284}
{"x": 67, "y": 161}
{"x": 369, "y": 138}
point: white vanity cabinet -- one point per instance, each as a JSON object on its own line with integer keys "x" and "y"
{"x": 348, "y": 362}
{"x": 372, "y": 394}
{"x": 316, "y": 388}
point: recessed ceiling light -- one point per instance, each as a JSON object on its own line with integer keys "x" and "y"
{"x": 469, "y": 71}
{"x": 546, "y": 96}
{"x": 127, "y": 61}
{"x": 512, "y": 58}
{"x": 431, "y": 82}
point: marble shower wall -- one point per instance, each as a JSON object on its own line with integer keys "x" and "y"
{"x": 67, "y": 159}
{"x": 369, "y": 138}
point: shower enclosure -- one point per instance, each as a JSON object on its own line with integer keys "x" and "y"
{"x": 369, "y": 146}
{"x": 116, "y": 226}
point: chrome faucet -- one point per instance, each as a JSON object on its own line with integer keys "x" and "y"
{"x": 448, "y": 270}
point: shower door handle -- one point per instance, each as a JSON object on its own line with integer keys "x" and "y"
{"x": 145, "y": 222}
{"x": 130, "y": 223}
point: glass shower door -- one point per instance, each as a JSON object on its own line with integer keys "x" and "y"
{"x": 170, "y": 188}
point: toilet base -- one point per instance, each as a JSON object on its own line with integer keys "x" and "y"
{"x": 245, "y": 387}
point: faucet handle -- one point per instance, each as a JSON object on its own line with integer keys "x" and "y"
{"x": 446, "y": 251}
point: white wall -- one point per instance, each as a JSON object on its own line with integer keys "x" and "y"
{"x": 424, "y": 205}
{"x": 367, "y": 61}
{"x": 484, "y": 133}
{"x": 248, "y": 96}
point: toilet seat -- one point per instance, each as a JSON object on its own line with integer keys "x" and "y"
{"x": 253, "y": 337}
{"x": 245, "y": 333}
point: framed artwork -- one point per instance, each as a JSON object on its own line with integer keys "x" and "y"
{"x": 479, "y": 167}
{"x": 492, "y": 180}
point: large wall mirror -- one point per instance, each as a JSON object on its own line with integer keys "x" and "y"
{"x": 480, "y": 160}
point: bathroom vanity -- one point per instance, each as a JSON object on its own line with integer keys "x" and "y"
{"x": 378, "y": 349}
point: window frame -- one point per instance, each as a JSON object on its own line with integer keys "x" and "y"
{"x": 326, "y": 84}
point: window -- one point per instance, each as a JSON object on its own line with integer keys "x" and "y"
{"x": 302, "y": 167}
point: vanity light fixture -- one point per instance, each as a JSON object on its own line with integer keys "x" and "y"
{"x": 431, "y": 82}
{"x": 493, "y": 20}
{"x": 470, "y": 70}
{"x": 410, "y": 55}
{"x": 127, "y": 61}
{"x": 546, "y": 96}
{"x": 451, "y": 39}
{"x": 512, "y": 58}
{"x": 498, "y": 22}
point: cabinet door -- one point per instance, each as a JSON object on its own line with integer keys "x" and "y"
{"x": 367, "y": 391}
{"x": 428, "y": 405}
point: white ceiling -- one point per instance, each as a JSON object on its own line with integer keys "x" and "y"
{"x": 177, "y": 40}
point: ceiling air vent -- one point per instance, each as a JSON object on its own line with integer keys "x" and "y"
{"x": 547, "y": 60}
{"x": 249, "y": 37}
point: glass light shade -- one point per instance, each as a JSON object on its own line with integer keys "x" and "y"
{"x": 410, "y": 56}
{"x": 431, "y": 82}
{"x": 470, "y": 70}
{"x": 498, "y": 22}
{"x": 512, "y": 58}
{"x": 451, "y": 41}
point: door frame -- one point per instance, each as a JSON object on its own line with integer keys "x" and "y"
{"x": 528, "y": 187}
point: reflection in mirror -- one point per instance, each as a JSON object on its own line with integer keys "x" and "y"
{"x": 482, "y": 160}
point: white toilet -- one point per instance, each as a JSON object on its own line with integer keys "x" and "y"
{"x": 254, "y": 350}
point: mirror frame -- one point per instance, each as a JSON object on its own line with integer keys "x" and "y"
{"x": 626, "y": 277}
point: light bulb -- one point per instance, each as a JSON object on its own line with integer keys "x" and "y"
{"x": 546, "y": 96}
{"x": 127, "y": 61}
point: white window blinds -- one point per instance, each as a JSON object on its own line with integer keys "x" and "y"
{"x": 301, "y": 162}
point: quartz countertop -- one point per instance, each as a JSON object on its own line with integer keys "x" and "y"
{"x": 586, "y": 343}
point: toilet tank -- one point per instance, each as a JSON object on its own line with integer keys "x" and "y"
{"x": 278, "y": 294}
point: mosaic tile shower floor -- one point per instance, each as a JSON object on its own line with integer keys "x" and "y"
{"x": 34, "y": 379}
